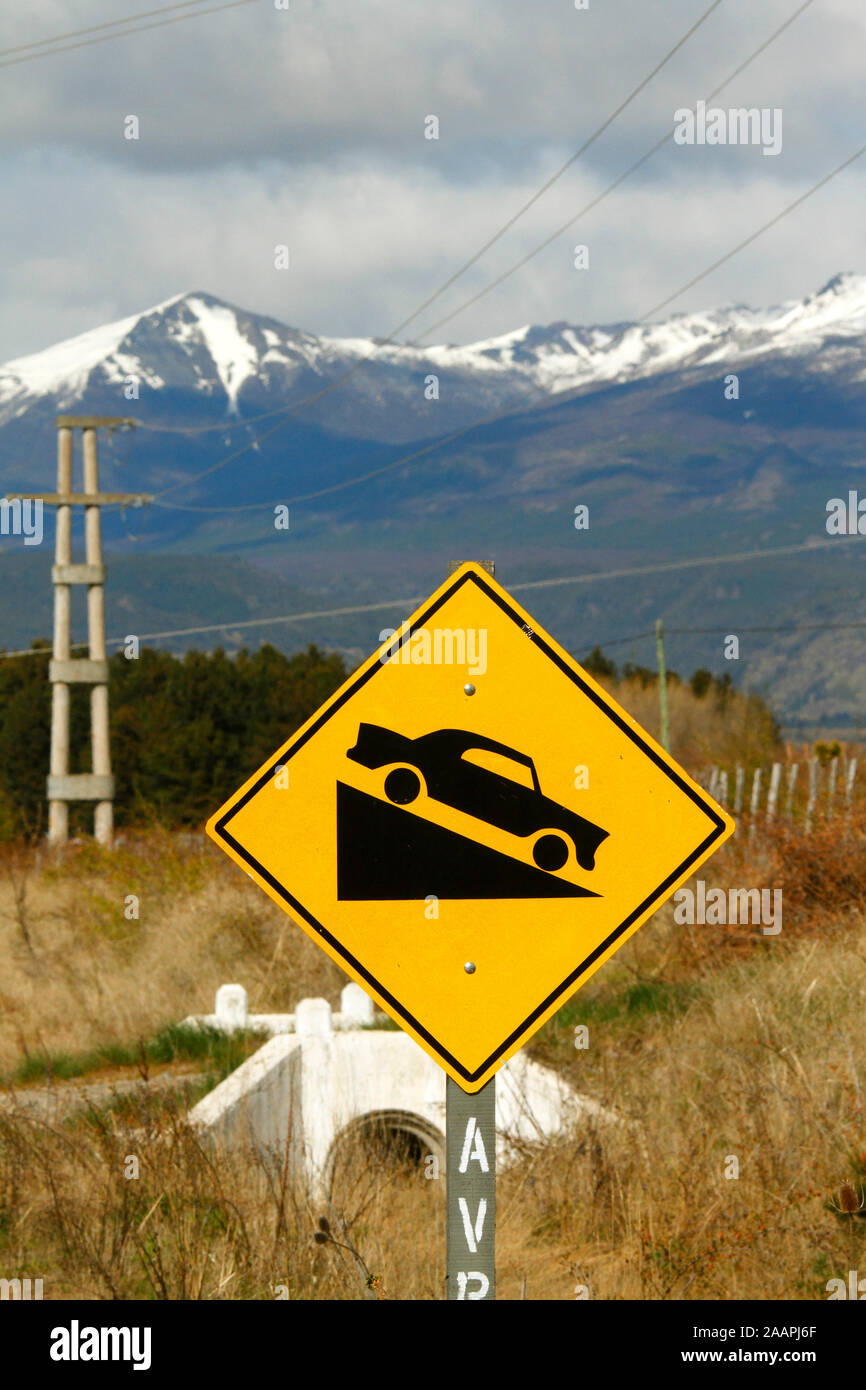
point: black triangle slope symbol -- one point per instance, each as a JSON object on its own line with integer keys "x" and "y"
{"x": 385, "y": 854}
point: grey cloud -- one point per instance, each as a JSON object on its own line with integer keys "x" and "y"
{"x": 366, "y": 245}
{"x": 261, "y": 127}
{"x": 321, "y": 81}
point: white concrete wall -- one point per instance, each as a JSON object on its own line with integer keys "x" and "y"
{"x": 307, "y": 1089}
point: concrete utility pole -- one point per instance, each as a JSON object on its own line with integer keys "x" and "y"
{"x": 64, "y": 671}
{"x": 663, "y": 688}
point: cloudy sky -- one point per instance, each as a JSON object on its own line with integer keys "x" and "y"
{"x": 305, "y": 127}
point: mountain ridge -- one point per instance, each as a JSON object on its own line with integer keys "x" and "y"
{"x": 556, "y": 357}
{"x": 387, "y": 486}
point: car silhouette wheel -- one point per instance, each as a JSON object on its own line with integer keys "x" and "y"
{"x": 550, "y": 852}
{"x": 402, "y": 786}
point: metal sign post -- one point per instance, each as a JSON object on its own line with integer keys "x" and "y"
{"x": 470, "y": 1174}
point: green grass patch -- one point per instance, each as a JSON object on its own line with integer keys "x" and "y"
{"x": 617, "y": 1007}
{"x": 219, "y": 1052}
{"x": 637, "y": 1001}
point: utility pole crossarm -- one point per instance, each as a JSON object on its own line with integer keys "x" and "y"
{"x": 95, "y": 422}
{"x": 83, "y": 499}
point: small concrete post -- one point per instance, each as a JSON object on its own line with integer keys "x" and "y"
{"x": 792, "y": 782}
{"x": 313, "y": 1019}
{"x": 356, "y": 1007}
{"x": 231, "y": 1007}
{"x": 722, "y": 797}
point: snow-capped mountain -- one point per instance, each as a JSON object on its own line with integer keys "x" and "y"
{"x": 195, "y": 345}
{"x": 208, "y": 381}
{"x": 392, "y": 476}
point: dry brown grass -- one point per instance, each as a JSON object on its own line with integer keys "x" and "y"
{"x": 77, "y": 972}
{"x": 705, "y": 730}
{"x": 713, "y": 1042}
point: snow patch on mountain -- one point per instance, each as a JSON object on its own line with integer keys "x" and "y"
{"x": 198, "y": 339}
{"x": 64, "y": 370}
{"x": 234, "y": 356}
{"x": 121, "y": 366}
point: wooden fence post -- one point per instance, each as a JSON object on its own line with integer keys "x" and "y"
{"x": 775, "y": 778}
{"x": 756, "y": 798}
{"x": 738, "y": 788}
{"x": 849, "y": 787}
{"x": 813, "y": 792}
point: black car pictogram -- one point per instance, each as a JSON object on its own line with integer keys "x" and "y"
{"x": 439, "y": 758}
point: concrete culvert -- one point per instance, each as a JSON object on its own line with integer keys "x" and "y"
{"x": 392, "y": 1144}
{"x": 354, "y": 1101}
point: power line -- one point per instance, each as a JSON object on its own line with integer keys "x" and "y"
{"x": 364, "y": 362}
{"x": 572, "y": 159}
{"x": 669, "y": 566}
{"x": 487, "y": 419}
{"x": 714, "y": 631}
{"x": 599, "y": 198}
{"x": 749, "y": 239}
{"x": 94, "y": 28}
{"x": 336, "y": 487}
{"x": 617, "y": 641}
{"x": 784, "y": 627}
{"x": 222, "y": 627}
{"x": 120, "y": 33}
{"x": 592, "y": 577}
{"x": 548, "y": 403}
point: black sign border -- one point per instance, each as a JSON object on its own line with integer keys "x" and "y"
{"x": 322, "y": 931}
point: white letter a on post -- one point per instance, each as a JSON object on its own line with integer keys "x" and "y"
{"x": 473, "y": 1151}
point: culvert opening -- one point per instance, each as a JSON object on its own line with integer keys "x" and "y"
{"x": 389, "y": 1146}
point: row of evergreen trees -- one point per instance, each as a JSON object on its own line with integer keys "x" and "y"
{"x": 701, "y": 682}
{"x": 185, "y": 731}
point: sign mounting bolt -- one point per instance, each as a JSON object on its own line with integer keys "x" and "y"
{"x": 469, "y": 967}
{"x": 469, "y": 688}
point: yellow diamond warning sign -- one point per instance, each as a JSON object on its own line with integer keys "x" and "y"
{"x": 470, "y": 826}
